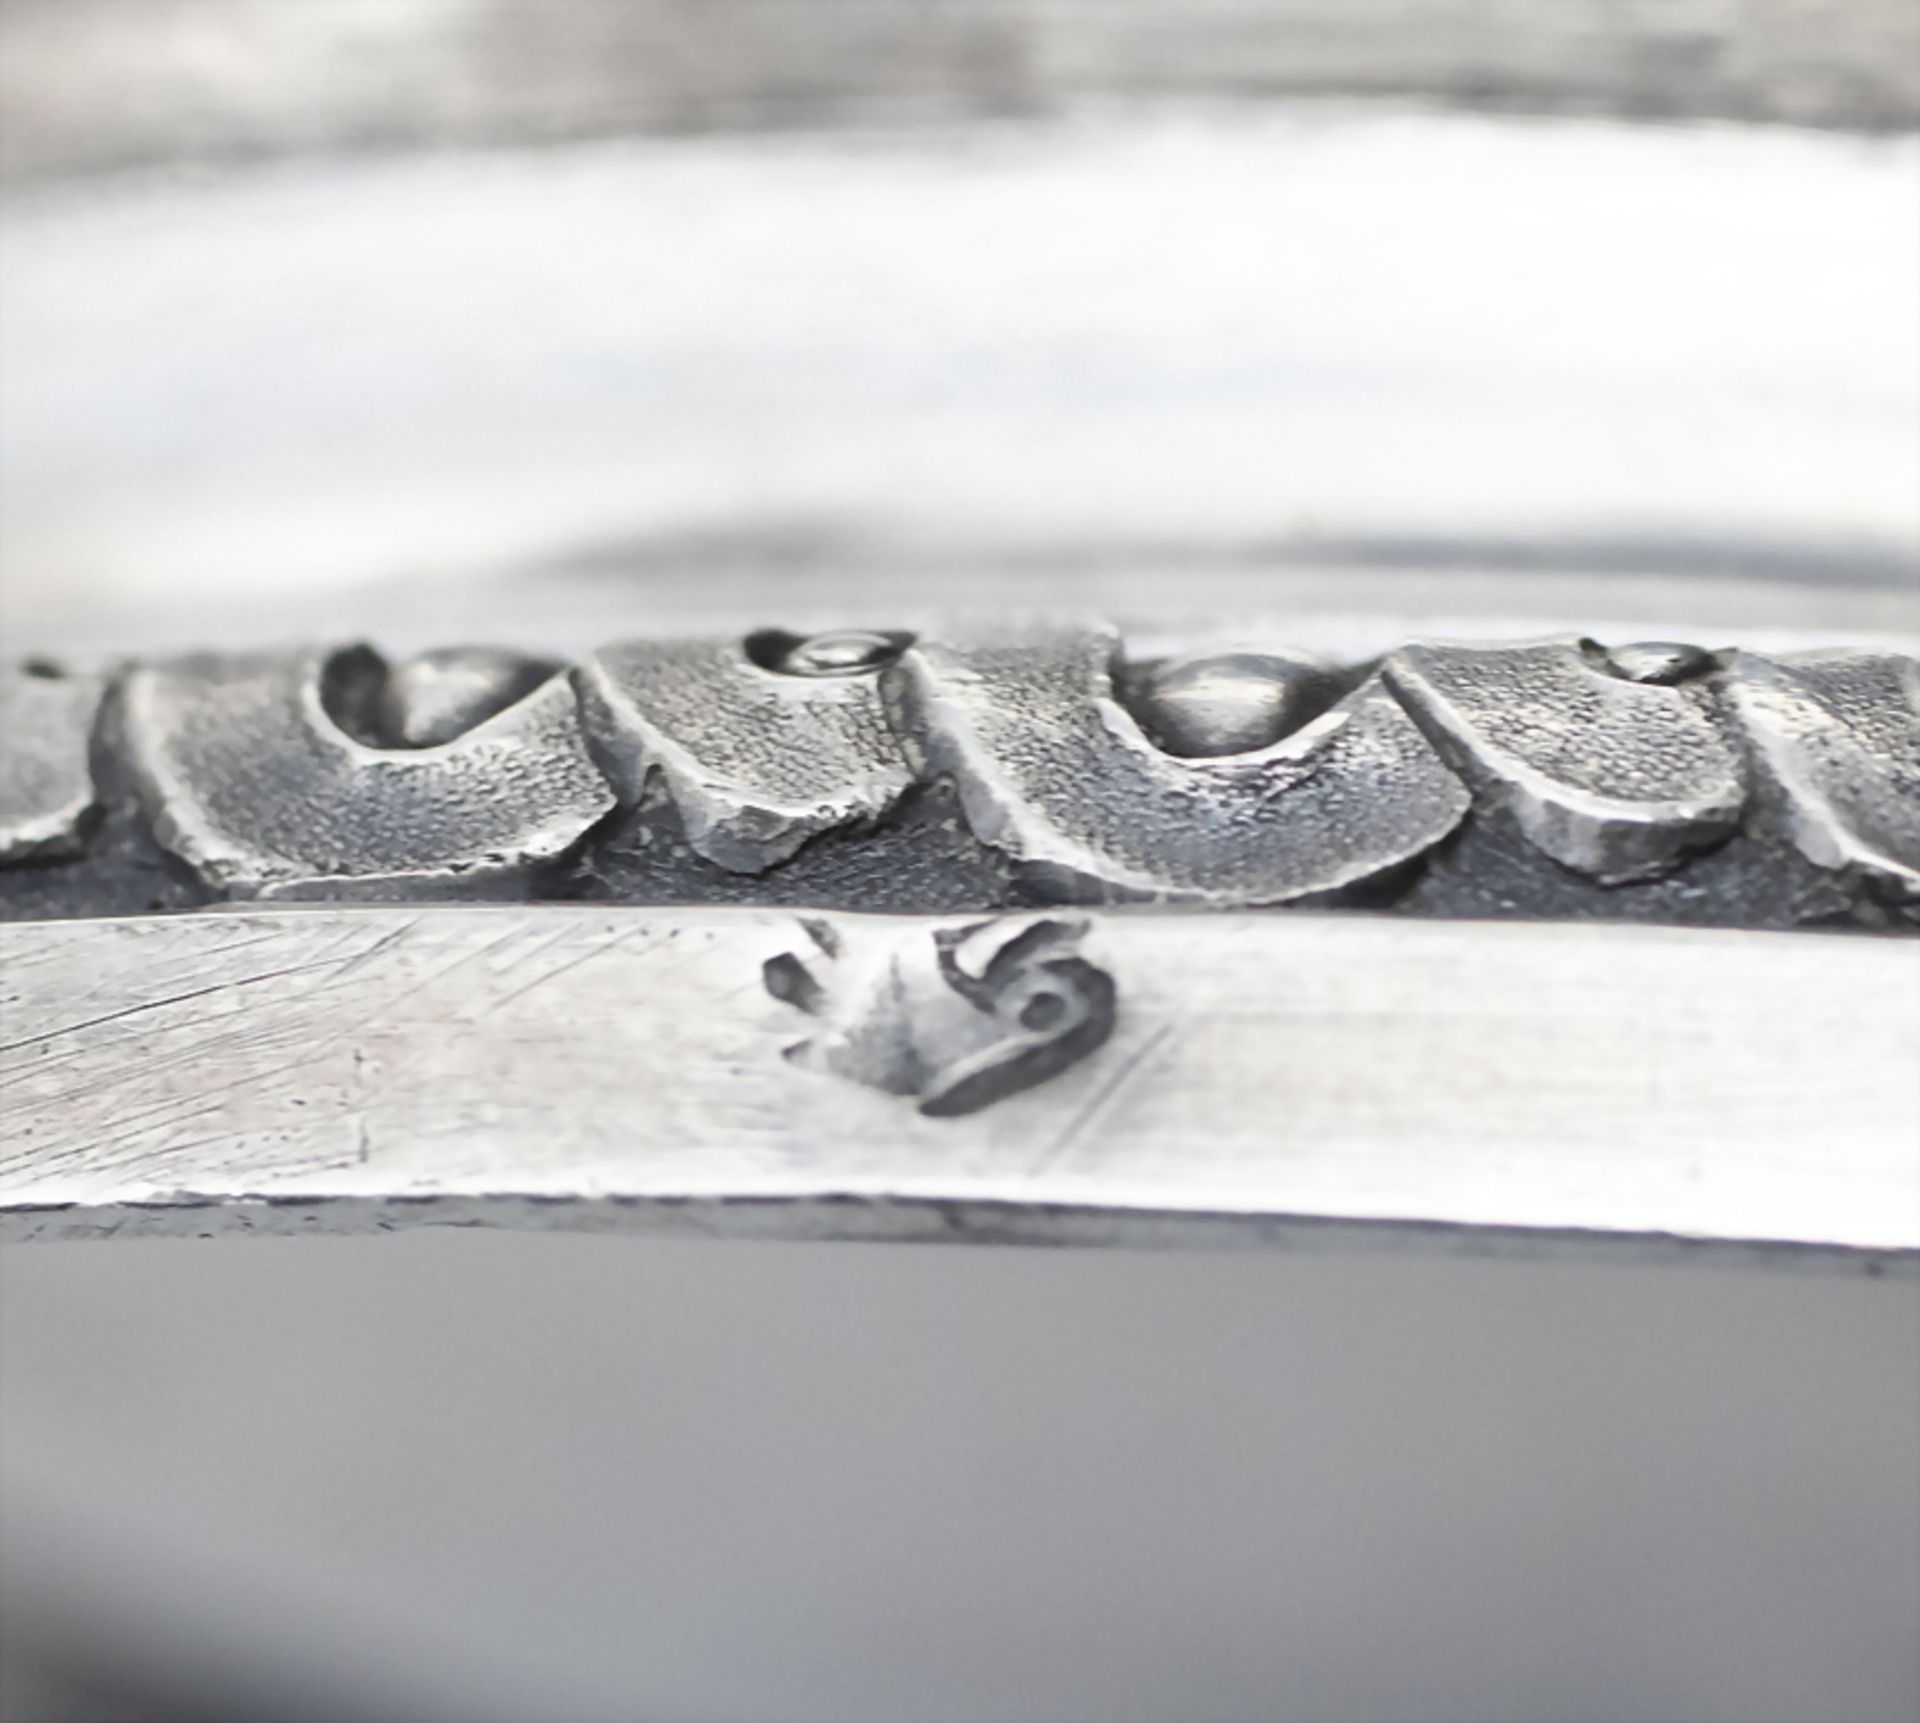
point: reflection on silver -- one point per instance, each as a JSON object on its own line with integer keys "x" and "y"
{"x": 1204, "y": 704}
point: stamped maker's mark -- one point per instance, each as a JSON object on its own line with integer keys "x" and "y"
{"x": 955, "y": 1021}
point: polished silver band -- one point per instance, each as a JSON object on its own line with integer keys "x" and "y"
{"x": 1099, "y": 1076}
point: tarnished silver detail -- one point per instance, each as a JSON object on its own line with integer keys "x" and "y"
{"x": 957, "y": 1019}
{"x": 757, "y": 761}
{"x": 1836, "y": 740}
{"x": 1202, "y": 705}
{"x": 1614, "y": 777}
{"x": 46, "y": 781}
{"x": 248, "y": 778}
{"x": 1054, "y": 770}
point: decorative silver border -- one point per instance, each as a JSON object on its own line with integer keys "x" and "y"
{"x": 865, "y": 770}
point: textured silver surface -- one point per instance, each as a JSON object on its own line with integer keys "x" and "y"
{"x": 250, "y": 780}
{"x": 755, "y": 759}
{"x": 46, "y": 783}
{"x": 998, "y": 769}
{"x": 1267, "y": 1078}
{"x": 1054, "y": 770}
{"x": 1613, "y": 776}
{"x": 1837, "y": 737}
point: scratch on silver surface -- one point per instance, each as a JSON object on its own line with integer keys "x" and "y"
{"x": 1292, "y": 1079}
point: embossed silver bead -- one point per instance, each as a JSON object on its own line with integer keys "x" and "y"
{"x": 1204, "y": 705}
{"x": 841, "y": 652}
{"x": 1661, "y": 663}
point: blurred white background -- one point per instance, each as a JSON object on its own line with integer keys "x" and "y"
{"x": 556, "y": 317}
{"x": 549, "y": 320}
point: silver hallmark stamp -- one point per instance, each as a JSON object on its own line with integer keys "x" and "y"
{"x": 956, "y": 1021}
